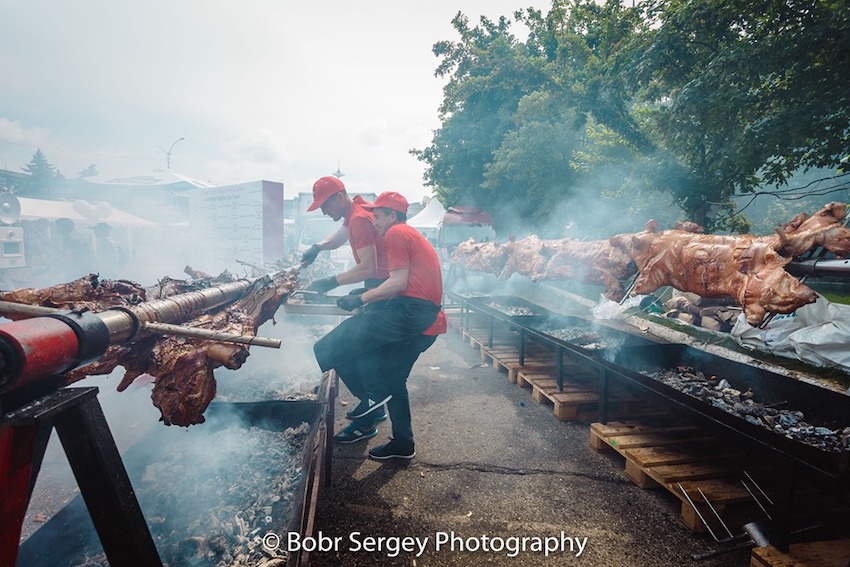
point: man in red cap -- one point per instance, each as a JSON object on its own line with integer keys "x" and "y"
{"x": 367, "y": 247}
{"x": 357, "y": 228}
{"x": 382, "y": 343}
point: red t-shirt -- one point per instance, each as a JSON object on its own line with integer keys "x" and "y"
{"x": 407, "y": 248}
{"x": 362, "y": 232}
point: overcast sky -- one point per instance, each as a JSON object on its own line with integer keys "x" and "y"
{"x": 259, "y": 89}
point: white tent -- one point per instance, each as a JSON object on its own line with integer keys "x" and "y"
{"x": 429, "y": 220}
{"x": 157, "y": 178}
{"x": 81, "y": 212}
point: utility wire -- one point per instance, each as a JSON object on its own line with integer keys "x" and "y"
{"x": 797, "y": 193}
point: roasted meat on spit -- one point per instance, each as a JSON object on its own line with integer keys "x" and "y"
{"x": 595, "y": 262}
{"x": 489, "y": 257}
{"x": 182, "y": 367}
{"x": 745, "y": 268}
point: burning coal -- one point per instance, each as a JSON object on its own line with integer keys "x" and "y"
{"x": 720, "y": 393}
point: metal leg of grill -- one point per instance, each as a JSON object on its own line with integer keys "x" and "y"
{"x": 333, "y": 387}
{"x": 104, "y": 484}
{"x": 603, "y": 396}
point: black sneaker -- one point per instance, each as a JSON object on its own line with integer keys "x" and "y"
{"x": 361, "y": 409}
{"x": 379, "y": 414}
{"x": 353, "y": 433}
{"x": 392, "y": 450}
{"x": 370, "y": 406}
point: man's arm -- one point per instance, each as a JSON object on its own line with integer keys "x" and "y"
{"x": 335, "y": 240}
{"x": 332, "y": 242}
{"x": 367, "y": 268}
{"x": 395, "y": 284}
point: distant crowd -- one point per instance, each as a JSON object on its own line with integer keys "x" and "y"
{"x": 62, "y": 250}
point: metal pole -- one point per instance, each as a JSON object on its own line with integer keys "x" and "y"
{"x": 198, "y": 333}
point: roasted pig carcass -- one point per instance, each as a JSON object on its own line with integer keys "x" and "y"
{"x": 594, "y": 262}
{"x": 746, "y": 269}
{"x": 525, "y": 257}
{"x": 487, "y": 257}
{"x": 87, "y": 293}
{"x": 824, "y": 228}
{"x": 182, "y": 367}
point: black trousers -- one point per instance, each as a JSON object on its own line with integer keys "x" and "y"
{"x": 374, "y": 351}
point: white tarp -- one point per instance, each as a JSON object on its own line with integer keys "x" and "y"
{"x": 430, "y": 217}
{"x": 81, "y": 212}
{"x": 429, "y": 220}
{"x": 817, "y": 333}
{"x": 154, "y": 178}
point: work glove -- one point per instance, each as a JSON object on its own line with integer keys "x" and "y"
{"x": 310, "y": 255}
{"x": 323, "y": 285}
{"x": 349, "y": 302}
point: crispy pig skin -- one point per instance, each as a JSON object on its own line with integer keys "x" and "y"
{"x": 182, "y": 367}
{"x": 489, "y": 257}
{"x": 594, "y": 262}
{"x": 745, "y": 268}
{"x": 86, "y": 293}
{"x": 525, "y": 257}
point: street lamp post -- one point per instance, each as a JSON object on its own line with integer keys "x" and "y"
{"x": 168, "y": 153}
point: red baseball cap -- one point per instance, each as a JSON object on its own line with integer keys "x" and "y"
{"x": 324, "y": 188}
{"x": 389, "y": 200}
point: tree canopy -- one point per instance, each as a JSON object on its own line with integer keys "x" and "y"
{"x": 42, "y": 176}
{"x": 694, "y": 100}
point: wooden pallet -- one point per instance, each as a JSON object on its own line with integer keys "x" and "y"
{"x": 506, "y": 358}
{"x": 670, "y": 456}
{"x": 835, "y": 553}
{"x": 579, "y": 397}
{"x": 478, "y": 338}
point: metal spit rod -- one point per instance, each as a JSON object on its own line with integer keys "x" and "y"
{"x": 197, "y": 333}
{"x": 155, "y": 316}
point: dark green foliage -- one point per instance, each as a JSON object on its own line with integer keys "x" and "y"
{"x": 696, "y": 100}
{"x": 42, "y": 177}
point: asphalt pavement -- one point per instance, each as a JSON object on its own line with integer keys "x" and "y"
{"x": 496, "y": 480}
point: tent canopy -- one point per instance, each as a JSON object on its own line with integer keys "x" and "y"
{"x": 431, "y": 217}
{"x": 79, "y": 211}
{"x": 158, "y": 178}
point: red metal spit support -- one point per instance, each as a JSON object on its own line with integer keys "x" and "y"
{"x": 34, "y": 353}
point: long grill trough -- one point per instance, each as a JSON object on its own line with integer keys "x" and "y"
{"x": 210, "y": 493}
{"x": 806, "y": 424}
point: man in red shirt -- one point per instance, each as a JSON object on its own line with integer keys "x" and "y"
{"x": 367, "y": 247}
{"x": 403, "y": 320}
{"x": 357, "y": 228}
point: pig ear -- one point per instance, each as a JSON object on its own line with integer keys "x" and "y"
{"x": 651, "y": 225}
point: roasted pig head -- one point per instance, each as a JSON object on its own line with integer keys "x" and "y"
{"x": 487, "y": 257}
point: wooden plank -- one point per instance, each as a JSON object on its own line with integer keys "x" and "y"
{"x": 718, "y": 490}
{"x": 638, "y": 475}
{"x": 621, "y": 428}
{"x": 621, "y": 443}
{"x": 670, "y": 474}
{"x": 680, "y": 454}
{"x": 514, "y": 368}
{"x": 834, "y": 553}
{"x": 529, "y": 377}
